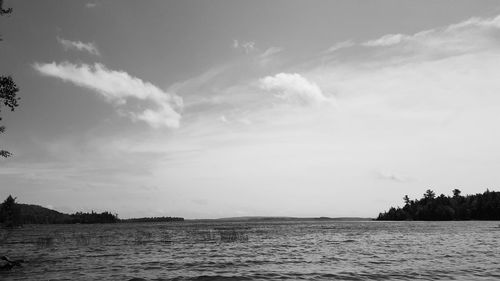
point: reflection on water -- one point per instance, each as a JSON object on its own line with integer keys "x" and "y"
{"x": 308, "y": 250}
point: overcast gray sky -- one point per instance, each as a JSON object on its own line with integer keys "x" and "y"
{"x": 206, "y": 109}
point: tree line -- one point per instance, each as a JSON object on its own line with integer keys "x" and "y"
{"x": 92, "y": 217}
{"x": 481, "y": 206}
{"x": 13, "y": 214}
{"x": 153, "y": 219}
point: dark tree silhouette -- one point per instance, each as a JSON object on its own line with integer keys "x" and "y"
{"x": 8, "y": 89}
{"x": 10, "y": 212}
{"x": 482, "y": 206}
{"x": 429, "y": 194}
{"x": 93, "y": 217}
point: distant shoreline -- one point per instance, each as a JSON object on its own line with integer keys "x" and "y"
{"x": 30, "y": 214}
{"x": 271, "y": 218}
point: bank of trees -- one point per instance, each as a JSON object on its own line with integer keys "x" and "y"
{"x": 13, "y": 214}
{"x": 92, "y": 217}
{"x": 481, "y": 206}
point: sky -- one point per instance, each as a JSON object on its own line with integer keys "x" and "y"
{"x": 223, "y": 108}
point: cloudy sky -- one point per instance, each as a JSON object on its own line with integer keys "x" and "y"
{"x": 206, "y": 109}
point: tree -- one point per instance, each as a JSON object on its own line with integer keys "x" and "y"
{"x": 8, "y": 89}
{"x": 456, "y": 192}
{"x": 10, "y": 213}
{"x": 406, "y": 199}
{"x": 429, "y": 194}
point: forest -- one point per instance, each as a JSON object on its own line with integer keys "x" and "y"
{"x": 13, "y": 214}
{"x": 481, "y": 206}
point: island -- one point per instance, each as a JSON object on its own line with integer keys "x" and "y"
{"x": 481, "y": 206}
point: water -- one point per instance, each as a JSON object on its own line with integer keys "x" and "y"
{"x": 306, "y": 250}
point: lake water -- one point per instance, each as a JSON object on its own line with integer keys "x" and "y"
{"x": 306, "y": 250}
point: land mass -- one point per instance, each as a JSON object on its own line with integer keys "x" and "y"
{"x": 481, "y": 206}
{"x": 15, "y": 214}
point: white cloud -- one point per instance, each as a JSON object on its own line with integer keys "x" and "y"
{"x": 470, "y": 35}
{"x": 341, "y": 45}
{"x": 91, "y": 5}
{"x": 270, "y": 52}
{"x": 117, "y": 87}
{"x": 386, "y": 40}
{"x": 78, "y": 45}
{"x": 248, "y": 47}
{"x": 293, "y": 88}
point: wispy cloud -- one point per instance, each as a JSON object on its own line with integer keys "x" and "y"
{"x": 472, "y": 34}
{"x": 271, "y": 52}
{"x": 90, "y": 5}
{"x": 268, "y": 55}
{"x": 386, "y": 40}
{"x": 79, "y": 46}
{"x": 341, "y": 45}
{"x": 248, "y": 46}
{"x": 293, "y": 88}
{"x": 117, "y": 87}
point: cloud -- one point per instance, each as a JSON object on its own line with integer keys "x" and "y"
{"x": 78, "y": 45}
{"x": 117, "y": 87}
{"x": 340, "y": 45}
{"x": 293, "y": 88}
{"x": 248, "y": 47}
{"x": 471, "y": 35}
{"x": 386, "y": 40}
{"x": 268, "y": 55}
{"x": 91, "y": 5}
{"x": 271, "y": 52}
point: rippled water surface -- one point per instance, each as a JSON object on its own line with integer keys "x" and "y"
{"x": 307, "y": 250}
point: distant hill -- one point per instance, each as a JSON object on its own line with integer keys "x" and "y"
{"x": 30, "y": 214}
{"x": 34, "y": 214}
